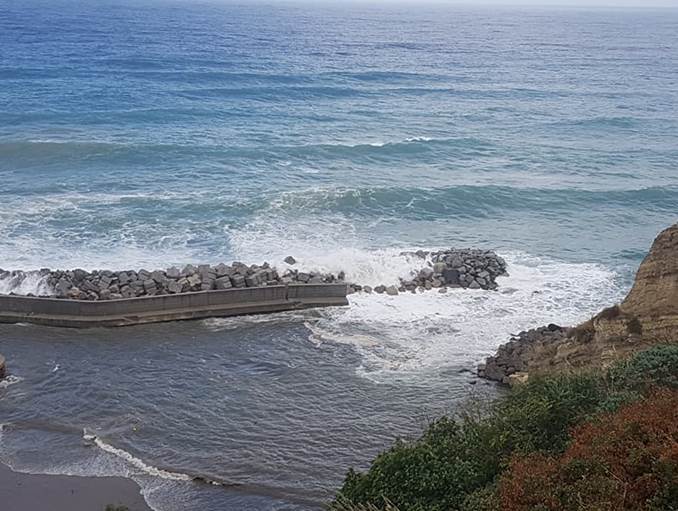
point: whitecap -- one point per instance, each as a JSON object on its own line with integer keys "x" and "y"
{"x": 23, "y": 283}
{"x": 8, "y": 381}
{"x": 133, "y": 461}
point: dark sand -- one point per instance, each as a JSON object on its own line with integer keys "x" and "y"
{"x": 29, "y": 492}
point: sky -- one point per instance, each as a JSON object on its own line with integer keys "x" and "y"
{"x": 579, "y": 3}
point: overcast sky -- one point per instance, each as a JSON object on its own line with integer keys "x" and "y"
{"x": 581, "y": 3}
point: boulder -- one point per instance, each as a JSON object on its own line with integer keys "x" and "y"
{"x": 451, "y": 277}
{"x": 391, "y": 290}
{"x": 174, "y": 286}
{"x": 149, "y": 285}
{"x": 238, "y": 280}
{"x": 290, "y": 260}
{"x": 252, "y": 280}
{"x": 3, "y": 367}
{"x": 426, "y": 273}
{"x": 223, "y": 283}
{"x": 222, "y": 270}
{"x": 439, "y": 267}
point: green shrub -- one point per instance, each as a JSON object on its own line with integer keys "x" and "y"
{"x": 538, "y": 416}
{"x": 622, "y": 461}
{"x": 457, "y": 458}
{"x": 456, "y": 462}
{"x": 657, "y": 366}
{"x": 430, "y": 474}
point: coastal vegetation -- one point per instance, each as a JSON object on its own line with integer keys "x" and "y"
{"x": 604, "y": 440}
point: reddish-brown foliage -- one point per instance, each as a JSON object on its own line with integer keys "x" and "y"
{"x": 624, "y": 461}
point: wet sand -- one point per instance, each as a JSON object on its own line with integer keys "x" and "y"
{"x": 30, "y": 492}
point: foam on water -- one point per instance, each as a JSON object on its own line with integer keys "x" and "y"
{"x": 24, "y": 283}
{"x": 133, "y": 461}
{"x": 8, "y": 381}
{"x": 410, "y": 333}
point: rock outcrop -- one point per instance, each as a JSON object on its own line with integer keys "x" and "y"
{"x": 647, "y": 316}
{"x": 3, "y": 369}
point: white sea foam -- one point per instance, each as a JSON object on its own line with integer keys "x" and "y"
{"x": 411, "y": 333}
{"x": 23, "y": 283}
{"x": 8, "y": 381}
{"x": 133, "y": 461}
{"x": 407, "y": 334}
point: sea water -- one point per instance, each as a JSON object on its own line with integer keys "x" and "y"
{"x": 149, "y": 134}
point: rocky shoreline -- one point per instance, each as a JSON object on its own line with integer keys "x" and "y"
{"x": 646, "y": 317}
{"x": 512, "y": 361}
{"x": 453, "y": 268}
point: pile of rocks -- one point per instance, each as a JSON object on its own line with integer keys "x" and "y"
{"x": 109, "y": 285}
{"x": 467, "y": 268}
{"x": 513, "y": 358}
{"x": 453, "y": 268}
{"x": 473, "y": 269}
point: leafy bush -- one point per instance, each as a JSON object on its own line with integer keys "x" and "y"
{"x": 430, "y": 474}
{"x": 456, "y": 458}
{"x": 624, "y": 461}
{"x": 457, "y": 462}
{"x": 655, "y": 367}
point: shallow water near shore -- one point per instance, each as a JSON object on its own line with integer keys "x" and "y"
{"x": 154, "y": 134}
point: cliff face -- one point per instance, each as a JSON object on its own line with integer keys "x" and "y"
{"x": 654, "y": 296}
{"x": 647, "y": 316}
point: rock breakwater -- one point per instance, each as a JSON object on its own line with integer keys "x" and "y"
{"x": 453, "y": 268}
{"x": 467, "y": 268}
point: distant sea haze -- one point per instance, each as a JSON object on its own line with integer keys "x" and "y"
{"x": 145, "y": 135}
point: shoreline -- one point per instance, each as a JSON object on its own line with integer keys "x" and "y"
{"x": 30, "y": 492}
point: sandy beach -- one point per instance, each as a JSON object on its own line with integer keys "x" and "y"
{"x": 31, "y": 492}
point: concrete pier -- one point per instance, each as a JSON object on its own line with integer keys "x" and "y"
{"x": 154, "y": 309}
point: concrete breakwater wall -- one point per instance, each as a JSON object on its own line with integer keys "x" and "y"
{"x": 153, "y": 309}
{"x": 78, "y": 298}
{"x": 466, "y": 268}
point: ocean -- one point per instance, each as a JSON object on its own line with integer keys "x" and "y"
{"x": 156, "y": 133}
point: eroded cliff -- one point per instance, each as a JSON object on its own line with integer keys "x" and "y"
{"x": 647, "y": 316}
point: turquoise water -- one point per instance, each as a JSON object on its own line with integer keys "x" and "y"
{"x": 148, "y": 134}
{"x": 156, "y": 133}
